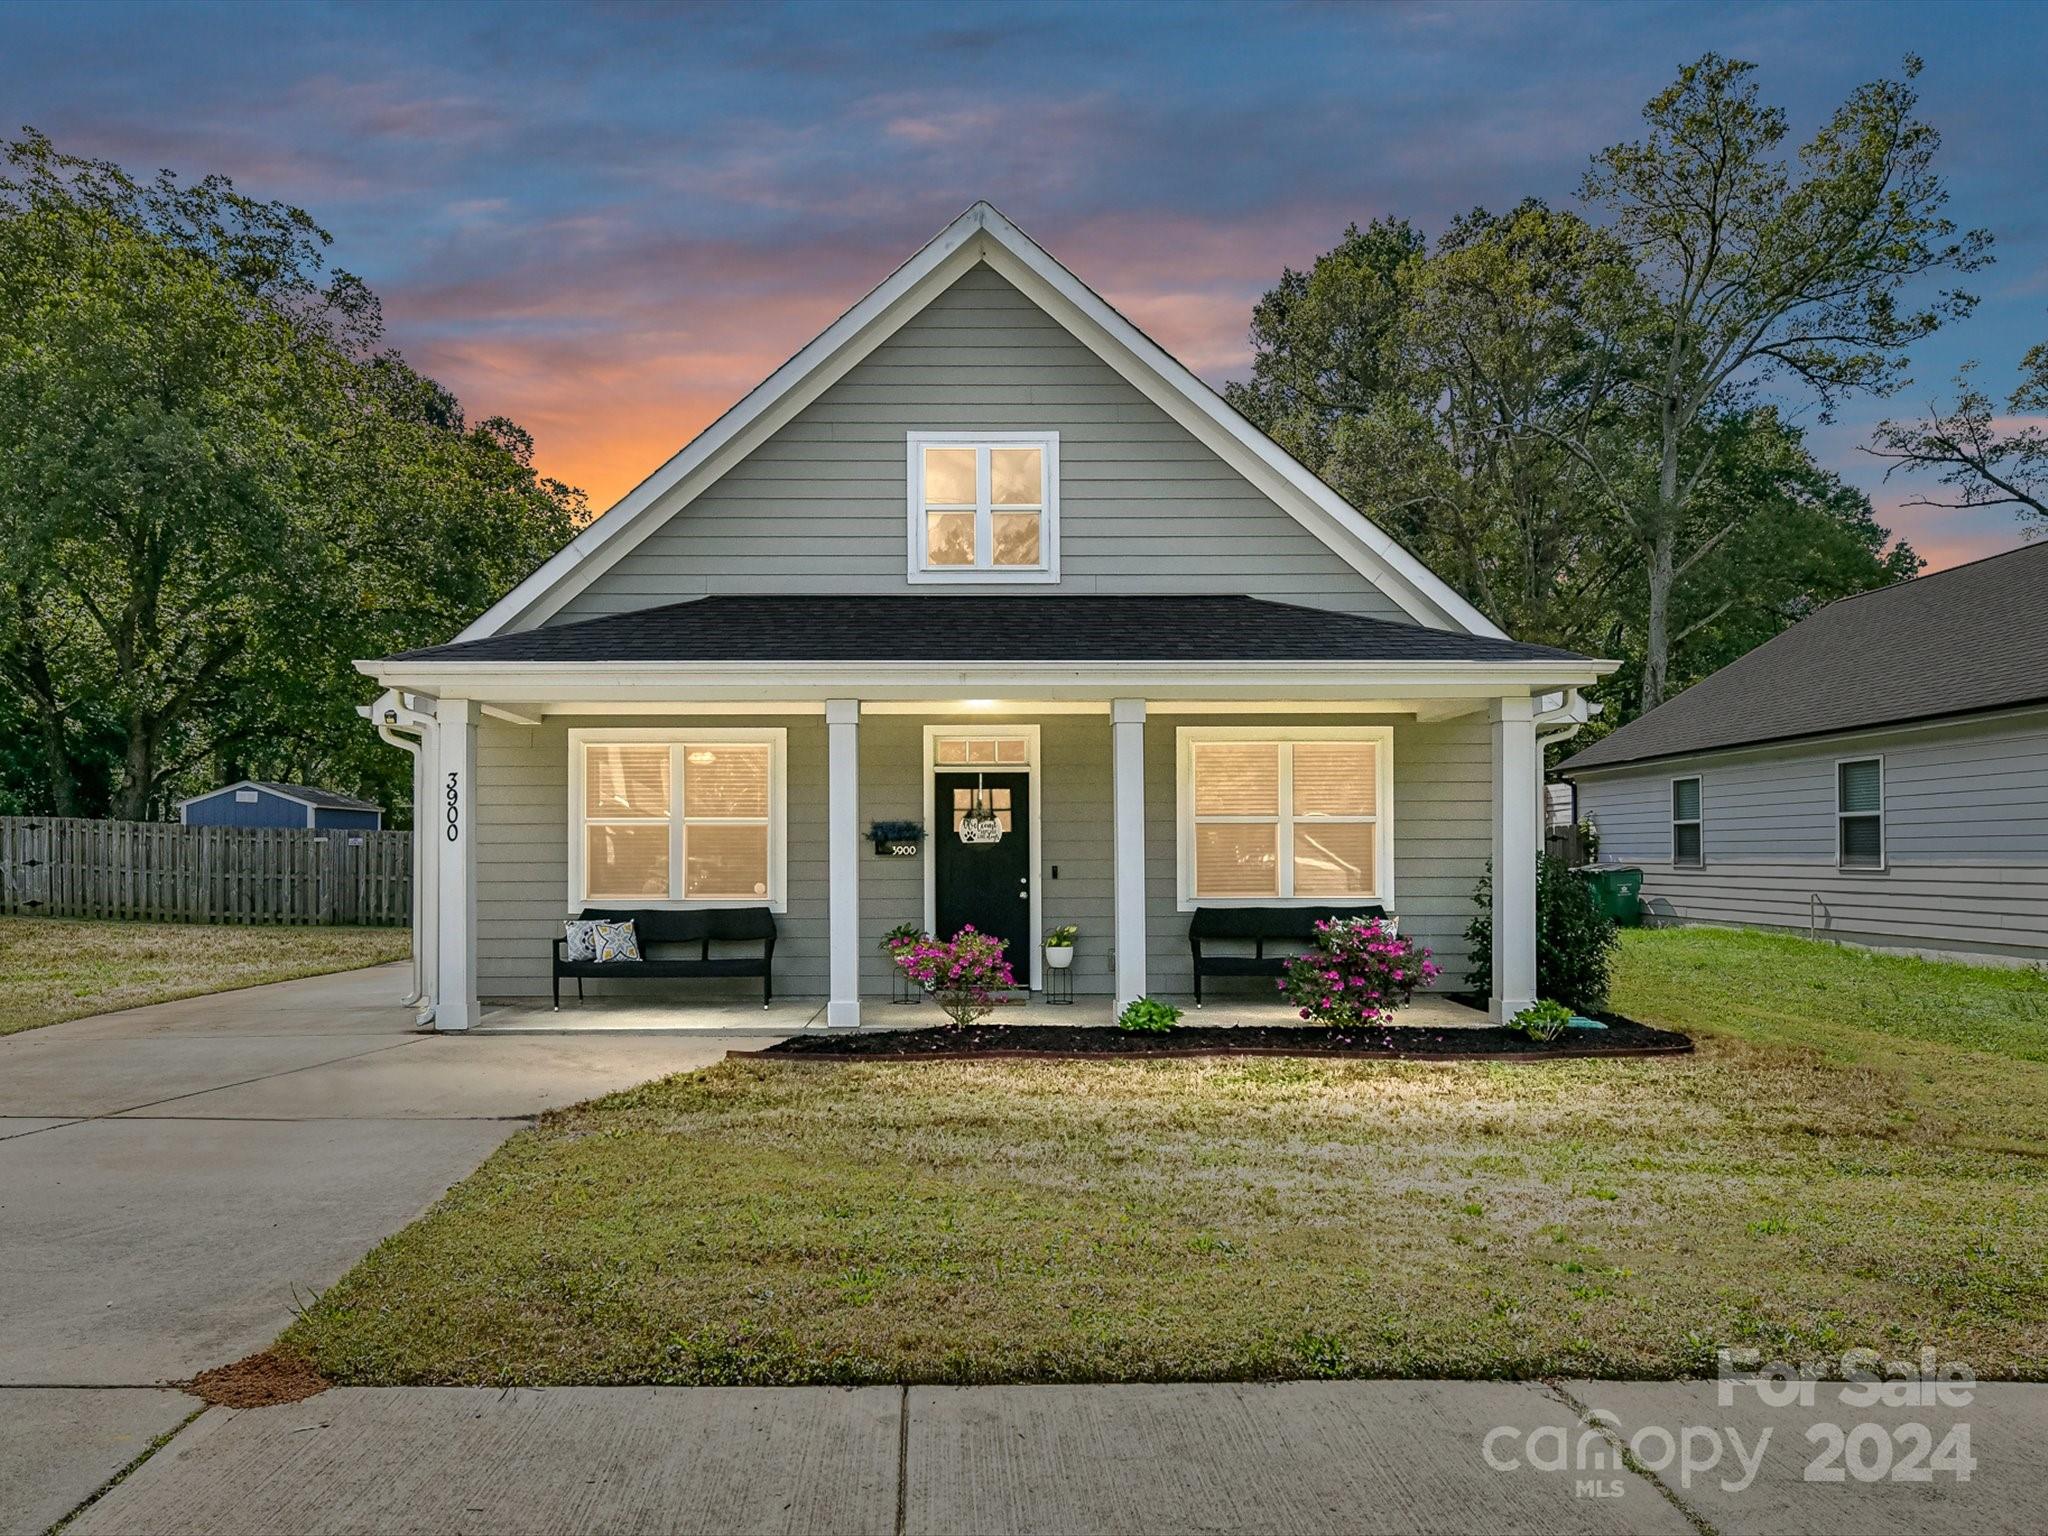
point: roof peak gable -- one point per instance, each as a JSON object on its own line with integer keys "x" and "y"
{"x": 983, "y": 234}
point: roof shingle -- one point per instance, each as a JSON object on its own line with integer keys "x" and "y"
{"x": 995, "y": 627}
{"x": 1970, "y": 638}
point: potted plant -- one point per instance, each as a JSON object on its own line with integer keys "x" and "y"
{"x": 1059, "y": 946}
{"x": 895, "y": 942}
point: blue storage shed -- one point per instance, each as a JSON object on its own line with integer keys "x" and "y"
{"x": 261, "y": 803}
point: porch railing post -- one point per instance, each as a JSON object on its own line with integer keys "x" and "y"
{"x": 1515, "y": 843}
{"x": 842, "y": 836}
{"x": 1127, "y": 729}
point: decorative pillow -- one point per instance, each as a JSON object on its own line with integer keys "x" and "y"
{"x": 617, "y": 942}
{"x": 580, "y": 938}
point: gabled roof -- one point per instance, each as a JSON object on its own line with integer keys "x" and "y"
{"x": 305, "y": 794}
{"x": 1967, "y": 639}
{"x": 993, "y": 627}
{"x": 983, "y": 234}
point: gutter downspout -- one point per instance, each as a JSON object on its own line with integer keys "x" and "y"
{"x": 1558, "y": 724}
{"x": 391, "y": 715}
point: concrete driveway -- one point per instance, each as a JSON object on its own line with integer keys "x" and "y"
{"x": 175, "y": 1179}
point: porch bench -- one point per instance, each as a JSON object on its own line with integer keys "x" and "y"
{"x": 1259, "y": 926}
{"x": 659, "y": 928}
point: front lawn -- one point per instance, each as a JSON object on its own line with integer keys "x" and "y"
{"x": 1841, "y": 1164}
{"x": 53, "y": 969}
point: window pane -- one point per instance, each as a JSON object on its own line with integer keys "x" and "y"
{"x": 948, "y": 476}
{"x": 725, "y": 781}
{"x": 625, "y": 781}
{"x": 1862, "y": 842}
{"x": 949, "y": 538}
{"x": 1859, "y": 783}
{"x": 1685, "y": 843}
{"x": 1237, "y": 859}
{"x": 1334, "y": 778}
{"x": 952, "y": 750}
{"x": 981, "y": 751}
{"x": 1334, "y": 858}
{"x": 1016, "y": 538}
{"x": 625, "y": 861}
{"x": 1237, "y": 779}
{"x": 1016, "y": 477}
{"x": 725, "y": 861}
{"x": 1012, "y": 749}
{"x": 1685, "y": 800}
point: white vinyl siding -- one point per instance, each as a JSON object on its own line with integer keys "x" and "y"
{"x": 1142, "y": 505}
{"x": 1965, "y": 808}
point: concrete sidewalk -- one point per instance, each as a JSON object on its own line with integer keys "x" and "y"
{"x": 1353, "y": 1457}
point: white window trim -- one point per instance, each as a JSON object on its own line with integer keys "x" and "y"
{"x": 676, "y": 739}
{"x": 1883, "y": 840}
{"x": 1028, "y": 734}
{"x": 1049, "y": 518}
{"x": 1677, "y": 821}
{"x": 1186, "y": 738}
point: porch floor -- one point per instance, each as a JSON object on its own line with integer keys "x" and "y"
{"x": 622, "y": 1015}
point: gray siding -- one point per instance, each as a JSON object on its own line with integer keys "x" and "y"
{"x": 1966, "y": 838}
{"x": 222, "y": 809}
{"x": 1144, "y": 507}
{"x": 1443, "y": 798}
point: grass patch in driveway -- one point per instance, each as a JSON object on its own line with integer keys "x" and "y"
{"x": 1270, "y": 1217}
{"x": 52, "y": 969}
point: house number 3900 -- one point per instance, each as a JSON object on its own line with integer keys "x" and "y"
{"x": 454, "y": 806}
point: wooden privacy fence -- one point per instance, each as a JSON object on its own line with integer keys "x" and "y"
{"x": 58, "y": 866}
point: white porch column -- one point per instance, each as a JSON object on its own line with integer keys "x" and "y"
{"x": 447, "y": 816}
{"x": 1516, "y": 839}
{"x": 1127, "y": 731}
{"x": 842, "y": 838}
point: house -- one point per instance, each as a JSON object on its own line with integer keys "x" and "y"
{"x": 1877, "y": 773}
{"x": 981, "y": 546}
{"x": 262, "y": 803}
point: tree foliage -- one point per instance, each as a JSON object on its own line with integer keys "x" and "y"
{"x": 1986, "y": 458}
{"x": 1565, "y": 417}
{"x": 217, "y": 490}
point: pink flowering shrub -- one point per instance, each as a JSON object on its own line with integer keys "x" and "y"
{"x": 1359, "y": 972}
{"x": 963, "y": 973}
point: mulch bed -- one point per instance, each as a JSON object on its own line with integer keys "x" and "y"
{"x": 1395, "y": 1042}
{"x": 262, "y": 1380}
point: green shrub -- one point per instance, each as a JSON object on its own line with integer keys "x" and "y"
{"x": 1148, "y": 1015}
{"x": 1542, "y": 1021}
{"x": 1575, "y": 940}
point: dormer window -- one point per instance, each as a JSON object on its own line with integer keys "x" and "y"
{"x": 984, "y": 506}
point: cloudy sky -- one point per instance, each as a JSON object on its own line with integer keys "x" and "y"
{"x": 610, "y": 221}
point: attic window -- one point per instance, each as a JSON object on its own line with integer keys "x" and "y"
{"x": 984, "y": 506}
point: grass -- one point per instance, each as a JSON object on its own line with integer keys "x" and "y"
{"x": 1857, "y": 1156}
{"x": 53, "y": 969}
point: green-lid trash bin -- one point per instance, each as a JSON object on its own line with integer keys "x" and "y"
{"x": 1618, "y": 891}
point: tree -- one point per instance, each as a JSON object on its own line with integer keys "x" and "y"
{"x": 214, "y": 490}
{"x": 1755, "y": 270}
{"x": 1990, "y": 461}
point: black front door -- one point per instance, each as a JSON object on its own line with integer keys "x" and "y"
{"x": 986, "y": 884}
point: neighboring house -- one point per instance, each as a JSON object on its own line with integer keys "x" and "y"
{"x": 261, "y": 803}
{"x": 981, "y": 543}
{"x": 1877, "y": 773}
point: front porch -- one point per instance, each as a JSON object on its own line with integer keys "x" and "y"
{"x": 627, "y": 1016}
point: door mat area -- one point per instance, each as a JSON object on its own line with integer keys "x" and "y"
{"x": 1621, "y": 1037}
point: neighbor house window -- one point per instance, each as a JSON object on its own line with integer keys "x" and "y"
{"x": 1686, "y": 847}
{"x": 1859, "y": 812}
{"x": 984, "y": 506}
{"x": 1284, "y": 817}
{"x": 669, "y": 818}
